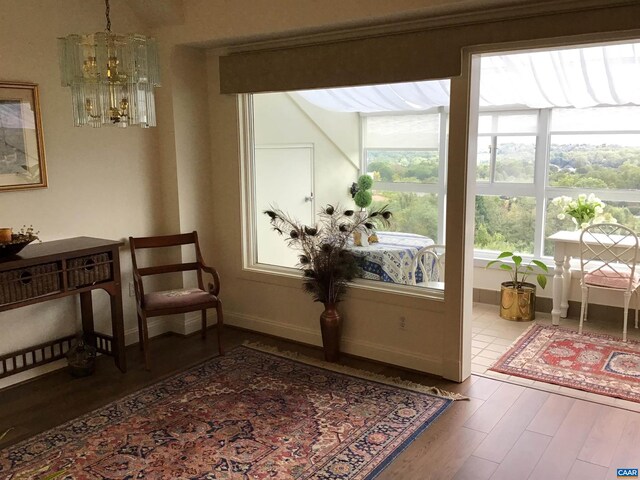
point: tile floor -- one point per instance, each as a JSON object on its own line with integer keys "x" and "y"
{"x": 493, "y": 335}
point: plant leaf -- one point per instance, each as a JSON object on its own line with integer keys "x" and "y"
{"x": 504, "y": 266}
{"x": 542, "y": 280}
{"x": 492, "y": 262}
{"x": 517, "y": 260}
{"x": 505, "y": 254}
{"x": 541, "y": 265}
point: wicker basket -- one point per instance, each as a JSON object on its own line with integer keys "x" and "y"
{"x": 25, "y": 283}
{"x": 89, "y": 270}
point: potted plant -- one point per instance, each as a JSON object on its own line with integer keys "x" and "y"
{"x": 81, "y": 358}
{"x": 518, "y": 297}
{"x": 361, "y": 191}
{"x": 13, "y": 243}
{"x": 326, "y": 262}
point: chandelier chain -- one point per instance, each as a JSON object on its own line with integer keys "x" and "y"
{"x": 107, "y": 11}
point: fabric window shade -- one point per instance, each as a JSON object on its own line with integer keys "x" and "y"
{"x": 596, "y": 119}
{"x": 402, "y": 131}
{"x": 501, "y": 123}
{"x": 428, "y": 53}
{"x": 397, "y": 97}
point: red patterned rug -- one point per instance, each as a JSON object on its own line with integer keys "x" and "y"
{"x": 247, "y": 415}
{"x": 592, "y": 362}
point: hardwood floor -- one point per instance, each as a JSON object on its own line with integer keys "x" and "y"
{"x": 504, "y": 431}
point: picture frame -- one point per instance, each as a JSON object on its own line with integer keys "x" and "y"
{"x": 22, "y": 158}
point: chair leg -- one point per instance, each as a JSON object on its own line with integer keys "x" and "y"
{"x": 583, "y": 307}
{"x": 140, "y": 335}
{"x": 204, "y": 324}
{"x": 145, "y": 343}
{"x": 637, "y": 304}
{"x": 219, "y": 325}
{"x": 586, "y": 308}
{"x": 627, "y": 300}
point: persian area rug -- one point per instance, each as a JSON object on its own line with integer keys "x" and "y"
{"x": 247, "y": 415}
{"x": 592, "y": 362}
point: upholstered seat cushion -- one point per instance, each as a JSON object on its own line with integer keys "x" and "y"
{"x": 610, "y": 278}
{"x": 188, "y": 297}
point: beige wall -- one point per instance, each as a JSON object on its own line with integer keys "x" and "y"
{"x": 186, "y": 174}
{"x": 434, "y": 340}
{"x": 102, "y": 182}
{"x": 285, "y": 120}
{"x": 107, "y": 182}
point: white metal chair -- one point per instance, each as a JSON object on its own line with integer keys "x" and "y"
{"x": 430, "y": 260}
{"x": 608, "y": 261}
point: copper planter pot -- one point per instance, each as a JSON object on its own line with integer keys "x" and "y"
{"x": 330, "y": 323}
{"x": 518, "y": 304}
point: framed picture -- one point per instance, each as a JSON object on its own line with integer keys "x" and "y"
{"x": 22, "y": 163}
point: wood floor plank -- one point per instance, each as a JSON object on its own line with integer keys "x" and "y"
{"x": 443, "y": 460}
{"x": 604, "y": 437}
{"x": 418, "y": 455}
{"x": 551, "y": 415}
{"x": 490, "y": 413}
{"x": 482, "y": 388}
{"x": 523, "y": 457}
{"x": 627, "y": 454}
{"x": 587, "y": 471}
{"x": 507, "y": 431}
{"x": 448, "y": 456}
{"x": 563, "y": 450}
{"x": 476, "y": 469}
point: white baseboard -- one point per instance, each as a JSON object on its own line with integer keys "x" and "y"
{"x": 185, "y": 325}
{"x": 157, "y": 326}
{"x": 361, "y": 348}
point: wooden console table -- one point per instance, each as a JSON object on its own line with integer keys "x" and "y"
{"x": 48, "y": 270}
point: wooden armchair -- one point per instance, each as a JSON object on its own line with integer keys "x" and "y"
{"x": 171, "y": 302}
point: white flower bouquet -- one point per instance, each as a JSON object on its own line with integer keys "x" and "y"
{"x": 584, "y": 211}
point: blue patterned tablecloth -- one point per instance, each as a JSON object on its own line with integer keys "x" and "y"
{"x": 391, "y": 258}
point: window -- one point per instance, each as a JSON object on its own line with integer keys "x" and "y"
{"x": 507, "y": 147}
{"x": 525, "y": 159}
{"x": 405, "y": 154}
{"x": 506, "y": 191}
{"x": 551, "y": 123}
{"x": 306, "y": 155}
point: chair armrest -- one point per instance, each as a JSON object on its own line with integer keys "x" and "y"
{"x": 214, "y": 288}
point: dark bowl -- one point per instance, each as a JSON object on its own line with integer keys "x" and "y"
{"x": 10, "y": 249}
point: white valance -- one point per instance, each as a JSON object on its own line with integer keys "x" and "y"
{"x": 577, "y": 77}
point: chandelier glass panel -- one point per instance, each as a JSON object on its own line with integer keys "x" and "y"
{"x": 111, "y": 77}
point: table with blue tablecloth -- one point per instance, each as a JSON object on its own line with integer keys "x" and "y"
{"x": 391, "y": 258}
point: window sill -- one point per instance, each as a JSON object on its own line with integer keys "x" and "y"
{"x": 360, "y": 289}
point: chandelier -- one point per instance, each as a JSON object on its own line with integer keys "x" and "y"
{"x": 111, "y": 76}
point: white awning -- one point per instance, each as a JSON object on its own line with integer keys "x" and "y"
{"x": 578, "y": 77}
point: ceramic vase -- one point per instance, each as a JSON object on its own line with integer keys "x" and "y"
{"x": 330, "y": 323}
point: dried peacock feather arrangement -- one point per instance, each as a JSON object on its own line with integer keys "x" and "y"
{"x": 326, "y": 262}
